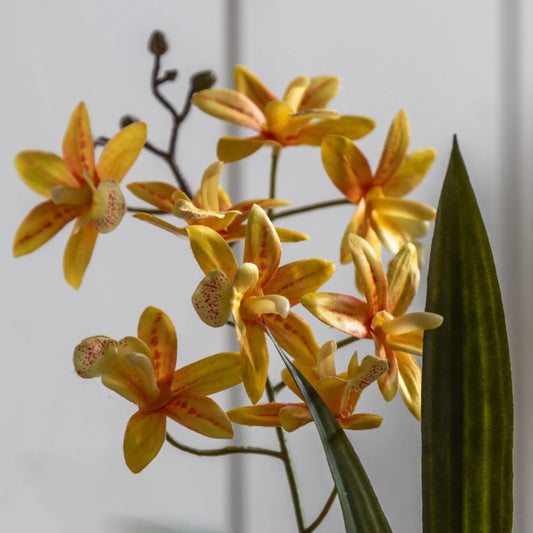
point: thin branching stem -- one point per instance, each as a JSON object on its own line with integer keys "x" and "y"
{"x": 324, "y": 512}
{"x": 227, "y": 450}
{"x": 347, "y": 341}
{"x": 310, "y": 207}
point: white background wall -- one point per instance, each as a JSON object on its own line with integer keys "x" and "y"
{"x": 455, "y": 67}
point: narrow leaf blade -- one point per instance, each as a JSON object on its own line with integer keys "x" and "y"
{"x": 467, "y": 404}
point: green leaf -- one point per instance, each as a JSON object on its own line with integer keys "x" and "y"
{"x": 467, "y": 404}
{"x": 360, "y": 506}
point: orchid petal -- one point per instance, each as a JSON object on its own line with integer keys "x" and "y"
{"x": 318, "y": 93}
{"x": 94, "y": 355}
{"x": 209, "y": 187}
{"x": 295, "y": 279}
{"x": 264, "y": 414}
{"x": 403, "y": 277}
{"x": 231, "y": 149}
{"x": 361, "y": 421}
{"x": 209, "y": 375}
{"x": 157, "y": 193}
{"x": 295, "y": 336}
{"x": 211, "y": 251}
{"x": 40, "y": 225}
{"x": 369, "y": 271}
{"x": 295, "y": 91}
{"x": 411, "y": 172}
{"x": 352, "y": 127}
{"x": 394, "y": 232}
{"x": 269, "y": 304}
{"x": 109, "y": 206}
{"x": 388, "y": 381}
{"x": 360, "y": 226}
{"x": 201, "y": 414}
{"x": 326, "y": 360}
{"x": 294, "y": 416}
{"x": 157, "y": 331}
{"x": 254, "y": 353}
{"x": 43, "y": 170}
{"x": 289, "y": 235}
{"x": 370, "y": 370}
{"x": 245, "y": 278}
{"x": 400, "y": 207}
{"x": 78, "y": 151}
{"x": 277, "y": 117}
{"x": 78, "y": 253}
{"x": 163, "y": 224}
{"x": 231, "y": 106}
{"x": 343, "y": 312}
{"x": 411, "y": 322}
{"x": 262, "y": 245}
{"x": 346, "y": 166}
{"x": 395, "y": 149}
{"x": 410, "y": 383}
{"x": 212, "y": 299}
{"x": 332, "y": 390}
{"x": 248, "y": 83}
{"x": 145, "y": 434}
{"x": 191, "y": 213}
{"x": 121, "y": 151}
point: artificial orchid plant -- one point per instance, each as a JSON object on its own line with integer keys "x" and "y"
{"x": 462, "y": 394}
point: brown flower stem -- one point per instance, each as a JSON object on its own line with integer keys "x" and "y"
{"x": 147, "y": 210}
{"x": 324, "y": 512}
{"x": 289, "y": 468}
{"x": 347, "y": 341}
{"x": 227, "y": 450}
{"x": 273, "y": 175}
{"x": 277, "y": 388}
{"x": 310, "y": 207}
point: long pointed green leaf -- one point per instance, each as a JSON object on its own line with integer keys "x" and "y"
{"x": 467, "y": 404}
{"x": 360, "y": 507}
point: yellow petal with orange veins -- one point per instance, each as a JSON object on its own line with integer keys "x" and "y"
{"x": 209, "y": 187}
{"x": 211, "y": 251}
{"x": 326, "y": 360}
{"x": 353, "y": 127}
{"x": 295, "y": 336}
{"x": 294, "y": 416}
{"x": 360, "y": 226}
{"x": 395, "y": 149}
{"x": 295, "y": 279}
{"x": 319, "y": 91}
{"x": 295, "y": 91}
{"x": 212, "y": 299}
{"x": 231, "y": 149}
{"x": 40, "y": 225}
{"x": 209, "y": 375}
{"x": 109, "y": 206}
{"x": 403, "y": 277}
{"x": 388, "y": 381}
{"x": 78, "y": 253}
{"x": 411, "y": 172}
{"x": 277, "y": 118}
{"x": 361, "y": 421}
{"x": 94, "y": 356}
{"x": 264, "y": 414}
{"x": 370, "y": 272}
{"x": 410, "y": 383}
{"x": 370, "y": 370}
{"x": 254, "y": 354}
{"x": 43, "y": 170}
{"x": 269, "y": 304}
{"x": 400, "y": 207}
{"x": 121, "y": 151}
{"x": 157, "y": 331}
{"x": 216, "y": 220}
{"x": 264, "y": 203}
{"x": 145, "y": 434}
{"x": 394, "y": 232}
{"x": 201, "y": 414}
{"x": 231, "y": 106}
{"x": 78, "y": 150}
{"x": 341, "y": 311}
{"x": 163, "y": 224}
{"x": 248, "y": 83}
{"x": 332, "y": 390}
{"x": 262, "y": 245}
{"x": 346, "y": 166}
{"x": 157, "y": 193}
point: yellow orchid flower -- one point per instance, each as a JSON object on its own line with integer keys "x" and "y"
{"x": 211, "y": 207}
{"x": 77, "y": 188}
{"x": 381, "y": 215}
{"x": 258, "y": 290}
{"x": 382, "y": 317}
{"x": 142, "y": 370}
{"x": 298, "y": 118}
{"x": 340, "y": 392}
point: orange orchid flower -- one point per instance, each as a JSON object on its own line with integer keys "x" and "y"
{"x": 142, "y": 370}
{"x": 258, "y": 290}
{"x": 340, "y": 392}
{"x": 382, "y": 317}
{"x": 298, "y": 118}
{"x": 381, "y": 215}
{"x": 77, "y": 188}
{"x": 211, "y": 207}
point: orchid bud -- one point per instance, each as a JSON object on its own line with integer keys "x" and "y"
{"x": 158, "y": 45}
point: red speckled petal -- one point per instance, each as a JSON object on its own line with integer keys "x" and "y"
{"x": 157, "y": 331}
{"x": 212, "y": 299}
